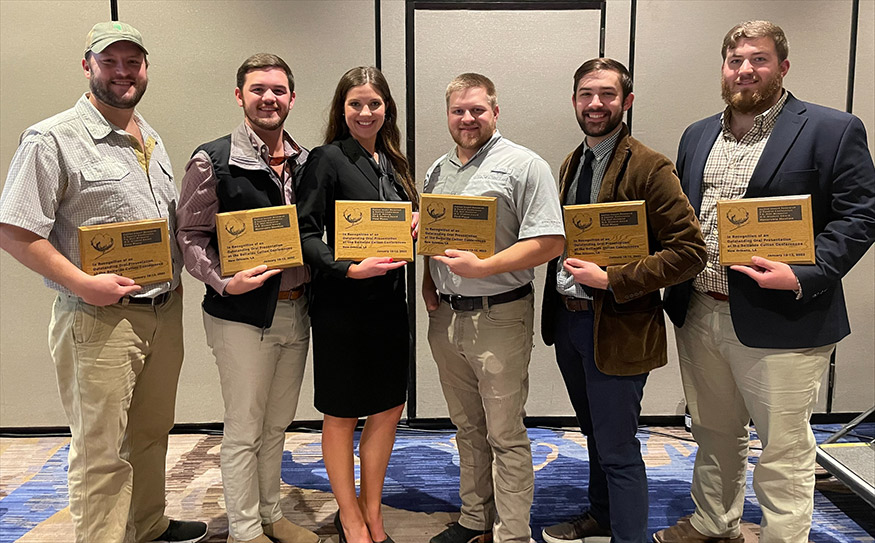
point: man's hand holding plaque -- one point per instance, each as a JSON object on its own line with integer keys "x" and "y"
{"x": 454, "y": 224}
{"x": 135, "y": 251}
{"x": 263, "y": 236}
{"x": 606, "y": 233}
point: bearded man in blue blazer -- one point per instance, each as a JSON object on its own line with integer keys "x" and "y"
{"x": 754, "y": 341}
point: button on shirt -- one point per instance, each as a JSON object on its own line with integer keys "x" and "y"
{"x": 565, "y": 283}
{"x": 527, "y": 206}
{"x": 200, "y": 203}
{"x": 77, "y": 169}
{"x": 727, "y": 174}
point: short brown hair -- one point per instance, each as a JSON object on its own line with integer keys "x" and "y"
{"x": 263, "y": 61}
{"x": 757, "y": 29}
{"x": 471, "y": 80}
{"x": 608, "y": 64}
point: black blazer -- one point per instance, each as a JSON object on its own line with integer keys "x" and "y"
{"x": 812, "y": 150}
{"x": 340, "y": 170}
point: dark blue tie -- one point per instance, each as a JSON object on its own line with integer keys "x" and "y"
{"x": 584, "y": 182}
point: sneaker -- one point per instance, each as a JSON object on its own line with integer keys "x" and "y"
{"x": 183, "y": 531}
{"x": 581, "y": 529}
{"x": 456, "y": 533}
{"x": 683, "y": 532}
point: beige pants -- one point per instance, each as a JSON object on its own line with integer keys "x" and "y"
{"x": 117, "y": 369}
{"x": 261, "y": 379}
{"x": 726, "y": 385}
{"x": 483, "y": 360}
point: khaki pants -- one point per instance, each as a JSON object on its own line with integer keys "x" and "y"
{"x": 727, "y": 384}
{"x": 117, "y": 369}
{"x": 261, "y": 379}
{"x": 483, "y": 360}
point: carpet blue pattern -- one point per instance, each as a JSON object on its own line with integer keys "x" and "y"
{"x": 423, "y": 477}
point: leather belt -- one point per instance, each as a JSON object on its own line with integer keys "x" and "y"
{"x": 719, "y": 296}
{"x": 293, "y": 294}
{"x": 473, "y": 303}
{"x": 577, "y": 304}
{"x": 160, "y": 299}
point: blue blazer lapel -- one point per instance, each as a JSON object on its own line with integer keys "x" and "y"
{"x": 358, "y": 156}
{"x": 787, "y": 127}
{"x": 700, "y": 157}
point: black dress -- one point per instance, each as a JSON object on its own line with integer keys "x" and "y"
{"x": 361, "y": 335}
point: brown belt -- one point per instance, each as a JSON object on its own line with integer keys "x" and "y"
{"x": 293, "y": 294}
{"x": 577, "y": 304}
{"x": 719, "y": 296}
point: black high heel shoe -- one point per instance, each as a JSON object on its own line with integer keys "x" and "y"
{"x": 341, "y": 537}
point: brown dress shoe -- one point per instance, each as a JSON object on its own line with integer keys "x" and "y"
{"x": 580, "y": 529}
{"x": 683, "y": 532}
{"x": 284, "y": 531}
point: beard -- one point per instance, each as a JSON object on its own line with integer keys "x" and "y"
{"x": 266, "y": 124}
{"x": 611, "y": 123}
{"x": 100, "y": 89}
{"x": 467, "y": 140}
{"x": 752, "y": 102}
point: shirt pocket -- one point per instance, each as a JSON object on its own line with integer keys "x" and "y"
{"x": 102, "y": 190}
{"x": 494, "y": 182}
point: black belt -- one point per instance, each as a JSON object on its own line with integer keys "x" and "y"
{"x": 157, "y": 300}
{"x": 473, "y": 303}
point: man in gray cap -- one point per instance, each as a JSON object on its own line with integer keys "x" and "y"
{"x": 117, "y": 345}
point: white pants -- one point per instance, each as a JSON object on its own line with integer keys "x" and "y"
{"x": 261, "y": 379}
{"x": 726, "y": 385}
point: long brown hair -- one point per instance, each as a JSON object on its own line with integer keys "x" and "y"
{"x": 389, "y": 136}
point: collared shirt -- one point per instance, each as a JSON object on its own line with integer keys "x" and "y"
{"x": 565, "y": 283}
{"x": 728, "y": 170}
{"x": 77, "y": 169}
{"x": 527, "y": 206}
{"x": 199, "y": 204}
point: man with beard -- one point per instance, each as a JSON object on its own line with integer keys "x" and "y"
{"x": 607, "y": 324}
{"x": 117, "y": 346}
{"x": 754, "y": 341}
{"x": 481, "y": 313}
{"x": 256, "y": 321}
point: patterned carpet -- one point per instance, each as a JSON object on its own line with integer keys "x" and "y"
{"x": 421, "y": 494}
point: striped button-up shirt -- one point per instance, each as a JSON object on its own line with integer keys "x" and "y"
{"x": 77, "y": 169}
{"x": 728, "y": 170}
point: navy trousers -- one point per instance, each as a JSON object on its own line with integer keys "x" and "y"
{"x": 607, "y": 408}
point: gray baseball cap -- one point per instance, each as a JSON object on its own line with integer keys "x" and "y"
{"x": 103, "y": 35}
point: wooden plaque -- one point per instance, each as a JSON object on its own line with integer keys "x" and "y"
{"x": 252, "y": 237}
{"x": 369, "y": 228}
{"x": 465, "y": 223}
{"x": 607, "y": 233}
{"x": 777, "y": 228}
{"x": 138, "y": 250}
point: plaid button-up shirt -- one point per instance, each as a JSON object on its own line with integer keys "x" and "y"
{"x": 728, "y": 170}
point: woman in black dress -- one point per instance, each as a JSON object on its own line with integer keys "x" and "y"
{"x": 358, "y": 311}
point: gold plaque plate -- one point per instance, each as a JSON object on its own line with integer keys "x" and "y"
{"x": 365, "y": 228}
{"x": 607, "y": 233}
{"x": 464, "y": 223}
{"x": 778, "y": 228}
{"x": 138, "y": 250}
{"x": 252, "y": 237}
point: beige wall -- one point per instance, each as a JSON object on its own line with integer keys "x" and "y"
{"x": 196, "y": 46}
